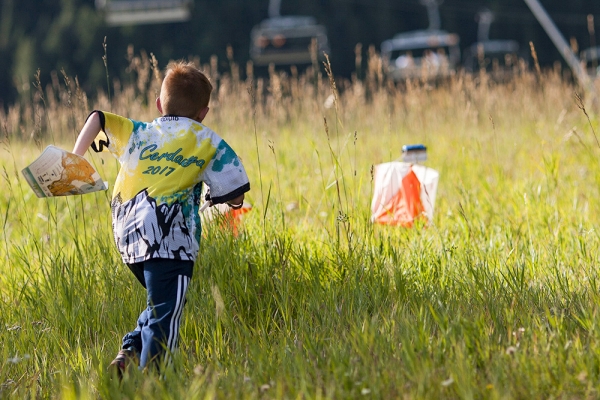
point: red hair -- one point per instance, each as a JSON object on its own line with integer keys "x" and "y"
{"x": 185, "y": 90}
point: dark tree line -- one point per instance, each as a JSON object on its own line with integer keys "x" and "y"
{"x": 68, "y": 35}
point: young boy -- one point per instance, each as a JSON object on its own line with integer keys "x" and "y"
{"x": 156, "y": 197}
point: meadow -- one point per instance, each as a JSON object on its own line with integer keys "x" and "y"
{"x": 497, "y": 297}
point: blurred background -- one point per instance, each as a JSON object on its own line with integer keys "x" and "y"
{"x": 89, "y": 39}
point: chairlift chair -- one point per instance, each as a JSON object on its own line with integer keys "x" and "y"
{"x": 136, "y": 12}
{"x": 590, "y": 58}
{"x": 430, "y": 53}
{"x": 502, "y": 53}
{"x": 494, "y": 53}
{"x": 286, "y": 40}
{"x": 427, "y": 53}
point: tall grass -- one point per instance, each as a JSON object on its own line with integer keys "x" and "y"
{"x": 496, "y": 298}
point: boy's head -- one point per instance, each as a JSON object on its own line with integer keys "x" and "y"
{"x": 185, "y": 91}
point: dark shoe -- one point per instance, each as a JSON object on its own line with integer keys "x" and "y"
{"x": 121, "y": 361}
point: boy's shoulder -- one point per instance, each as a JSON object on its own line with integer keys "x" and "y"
{"x": 173, "y": 123}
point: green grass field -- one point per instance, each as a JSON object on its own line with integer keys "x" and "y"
{"x": 497, "y": 298}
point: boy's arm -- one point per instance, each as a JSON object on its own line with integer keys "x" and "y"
{"x": 88, "y": 133}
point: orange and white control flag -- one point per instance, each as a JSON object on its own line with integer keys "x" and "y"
{"x": 403, "y": 193}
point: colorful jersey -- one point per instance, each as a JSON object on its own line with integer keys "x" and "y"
{"x": 158, "y": 189}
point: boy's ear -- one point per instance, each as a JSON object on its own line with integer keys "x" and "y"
{"x": 158, "y": 105}
{"x": 202, "y": 114}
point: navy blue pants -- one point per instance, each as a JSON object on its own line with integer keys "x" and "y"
{"x": 157, "y": 331}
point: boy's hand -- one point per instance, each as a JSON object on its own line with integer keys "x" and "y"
{"x": 236, "y": 203}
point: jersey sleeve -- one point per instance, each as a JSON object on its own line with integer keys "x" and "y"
{"x": 117, "y": 131}
{"x": 225, "y": 175}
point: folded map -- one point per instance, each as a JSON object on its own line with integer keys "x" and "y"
{"x": 57, "y": 172}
